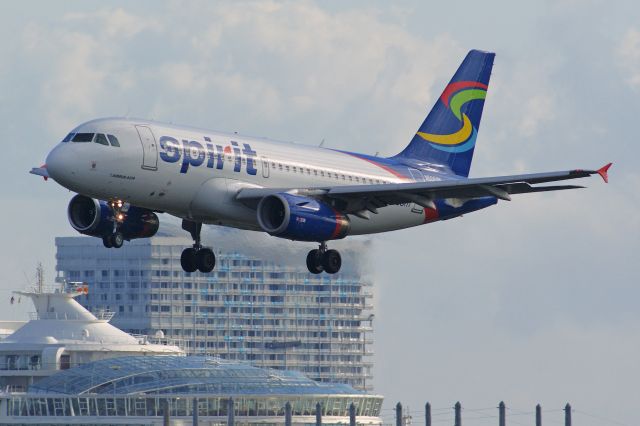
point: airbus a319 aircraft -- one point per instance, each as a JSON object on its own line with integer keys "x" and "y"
{"x": 124, "y": 171}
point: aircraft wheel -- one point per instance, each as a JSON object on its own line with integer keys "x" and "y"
{"x": 188, "y": 260}
{"x": 106, "y": 241}
{"x": 205, "y": 260}
{"x": 331, "y": 261}
{"x": 314, "y": 262}
{"x": 116, "y": 240}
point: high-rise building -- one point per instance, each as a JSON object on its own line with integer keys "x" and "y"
{"x": 259, "y": 305}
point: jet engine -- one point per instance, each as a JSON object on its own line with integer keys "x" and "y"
{"x": 96, "y": 218}
{"x": 301, "y": 218}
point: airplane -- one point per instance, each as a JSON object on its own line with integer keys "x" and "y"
{"x": 126, "y": 170}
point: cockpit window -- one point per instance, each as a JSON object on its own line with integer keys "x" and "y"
{"x": 101, "y": 139}
{"x": 113, "y": 140}
{"x": 83, "y": 137}
{"x": 68, "y": 137}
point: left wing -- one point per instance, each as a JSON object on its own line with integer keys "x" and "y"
{"x": 360, "y": 198}
{"x": 40, "y": 171}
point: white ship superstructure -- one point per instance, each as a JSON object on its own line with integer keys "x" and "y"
{"x": 68, "y": 365}
{"x": 62, "y": 334}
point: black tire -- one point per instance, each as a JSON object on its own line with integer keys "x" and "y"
{"x": 314, "y": 262}
{"x": 205, "y": 260}
{"x": 188, "y": 260}
{"x": 116, "y": 240}
{"x": 331, "y": 261}
{"x": 106, "y": 241}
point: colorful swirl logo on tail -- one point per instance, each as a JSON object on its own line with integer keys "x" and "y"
{"x": 455, "y": 95}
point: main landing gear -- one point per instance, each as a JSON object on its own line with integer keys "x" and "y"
{"x": 115, "y": 239}
{"x": 321, "y": 259}
{"x": 196, "y": 258}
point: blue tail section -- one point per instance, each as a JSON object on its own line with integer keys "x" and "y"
{"x": 448, "y": 134}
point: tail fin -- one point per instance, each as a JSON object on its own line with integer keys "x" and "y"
{"x": 448, "y": 134}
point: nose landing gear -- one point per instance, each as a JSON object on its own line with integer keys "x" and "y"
{"x": 321, "y": 259}
{"x": 196, "y": 258}
{"x": 116, "y": 238}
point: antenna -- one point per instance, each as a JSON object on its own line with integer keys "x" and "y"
{"x": 321, "y": 143}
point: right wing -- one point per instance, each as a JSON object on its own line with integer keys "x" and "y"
{"x": 357, "y": 198}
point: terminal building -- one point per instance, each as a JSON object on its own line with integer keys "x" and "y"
{"x": 69, "y": 366}
{"x": 259, "y": 305}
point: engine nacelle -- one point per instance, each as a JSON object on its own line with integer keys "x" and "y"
{"x": 95, "y": 218}
{"x": 301, "y": 218}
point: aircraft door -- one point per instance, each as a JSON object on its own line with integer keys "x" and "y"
{"x": 265, "y": 166}
{"x": 149, "y": 148}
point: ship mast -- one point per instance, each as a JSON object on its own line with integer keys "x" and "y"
{"x": 39, "y": 278}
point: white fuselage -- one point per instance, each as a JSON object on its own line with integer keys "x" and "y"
{"x": 195, "y": 174}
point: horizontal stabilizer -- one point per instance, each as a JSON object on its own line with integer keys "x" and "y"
{"x": 525, "y": 188}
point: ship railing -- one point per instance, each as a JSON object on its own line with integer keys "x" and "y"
{"x": 102, "y": 315}
{"x": 166, "y": 341}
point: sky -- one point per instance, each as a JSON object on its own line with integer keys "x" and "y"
{"x": 533, "y": 301}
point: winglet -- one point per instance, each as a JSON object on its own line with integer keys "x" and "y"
{"x": 603, "y": 172}
{"x": 40, "y": 171}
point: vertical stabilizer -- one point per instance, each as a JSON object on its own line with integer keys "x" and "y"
{"x": 448, "y": 134}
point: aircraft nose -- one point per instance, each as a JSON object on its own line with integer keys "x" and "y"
{"x": 54, "y": 163}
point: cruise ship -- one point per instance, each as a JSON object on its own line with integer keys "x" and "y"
{"x": 68, "y": 365}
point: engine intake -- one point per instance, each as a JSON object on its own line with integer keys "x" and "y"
{"x": 95, "y": 218}
{"x": 301, "y": 218}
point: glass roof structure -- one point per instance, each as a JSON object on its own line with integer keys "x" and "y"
{"x": 192, "y": 375}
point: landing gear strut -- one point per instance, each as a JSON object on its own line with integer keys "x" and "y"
{"x": 196, "y": 258}
{"x": 115, "y": 239}
{"x": 321, "y": 259}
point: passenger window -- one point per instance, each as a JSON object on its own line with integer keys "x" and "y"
{"x": 113, "y": 140}
{"x": 315, "y": 172}
{"x": 68, "y": 137}
{"x": 101, "y": 139}
{"x": 294, "y": 169}
{"x": 286, "y": 168}
{"x": 83, "y": 137}
{"x": 322, "y": 173}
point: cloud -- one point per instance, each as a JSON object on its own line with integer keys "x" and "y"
{"x": 347, "y": 63}
{"x": 85, "y": 64}
{"x": 537, "y": 110}
{"x": 628, "y": 56}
